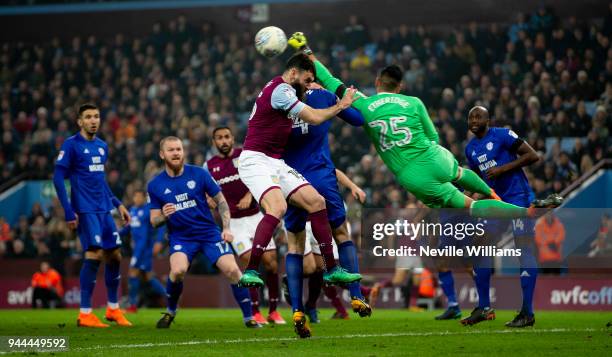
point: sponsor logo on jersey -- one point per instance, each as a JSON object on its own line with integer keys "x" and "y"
{"x": 96, "y": 168}
{"x": 86, "y": 151}
{"x": 167, "y": 191}
{"x": 60, "y": 156}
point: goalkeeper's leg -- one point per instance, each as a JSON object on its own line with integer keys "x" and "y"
{"x": 469, "y": 180}
{"x": 485, "y": 208}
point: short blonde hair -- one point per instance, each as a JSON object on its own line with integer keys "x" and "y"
{"x": 167, "y": 138}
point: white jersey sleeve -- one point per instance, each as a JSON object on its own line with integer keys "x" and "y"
{"x": 284, "y": 98}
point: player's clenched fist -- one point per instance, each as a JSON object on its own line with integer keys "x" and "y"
{"x": 297, "y": 40}
{"x": 227, "y": 236}
{"x": 168, "y": 209}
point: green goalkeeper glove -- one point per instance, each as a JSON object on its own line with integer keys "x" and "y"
{"x": 299, "y": 42}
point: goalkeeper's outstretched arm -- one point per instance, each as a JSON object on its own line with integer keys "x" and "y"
{"x": 299, "y": 42}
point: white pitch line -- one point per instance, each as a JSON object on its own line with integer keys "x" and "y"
{"x": 350, "y": 336}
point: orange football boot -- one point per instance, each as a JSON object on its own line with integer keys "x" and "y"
{"x": 495, "y": 196}
{"x": 117, "y": 316}
{"x": 89, "y": 320}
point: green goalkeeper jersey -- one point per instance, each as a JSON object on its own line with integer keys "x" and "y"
{"x": 397, "y": 124}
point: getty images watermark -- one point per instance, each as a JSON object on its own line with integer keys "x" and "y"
{"x": 412, "y": 237}
{"x": 434, "y": 233}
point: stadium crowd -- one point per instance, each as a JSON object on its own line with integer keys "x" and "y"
{"x": 550, "y": 79}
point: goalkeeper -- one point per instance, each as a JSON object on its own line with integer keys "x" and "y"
{"x": 406, "y": 140}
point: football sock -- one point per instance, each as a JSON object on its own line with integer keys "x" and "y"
{"x": 87, "y": 279}
{"x": 254, "y": 293}
{"x": 529, "y": 275}
{"x": 244, "y": 301}
{"x": 173, "y": 292}
{"x": 273, "y": 291}
{"x": 482, "y": 278}
{"x": 323, "y": 235}
{"x": 112, "y": 277}
{"x": 157, "y": 286}
{"x": 473, "y": 183}
{"x": 332, "y": 294}
{"x": 295, "y": 271}
{"x": 315, "y": 283}
{"x": 134, "y": 289}
{"x": 347, "y": 254}
{"x": 263, "y": 235}
{"x": 447, "y": 283}
{"x": 496, "y": 209}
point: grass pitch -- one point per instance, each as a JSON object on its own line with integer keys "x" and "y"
{"x": 215, "y": 332}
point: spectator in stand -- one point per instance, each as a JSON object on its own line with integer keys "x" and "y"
{"x": 5, "y": 230}
{"x": 549, "y": 237}
{"x": 539, "y": 75}
{"x": 48, "y": 290}
{"x": 602, "y": 245}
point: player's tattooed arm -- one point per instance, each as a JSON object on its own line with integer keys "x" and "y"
{"x": 223, "y": 209}
{"x": 157, "y": 218}
{"x": 160, "y": 216}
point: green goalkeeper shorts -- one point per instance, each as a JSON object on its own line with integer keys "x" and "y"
{"x": 429, "y": 178}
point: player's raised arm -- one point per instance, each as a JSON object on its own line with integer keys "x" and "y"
{"x": 428, "y": 126}
{"x": 318, "y": 116}
{"x": 352, "y": 116}
{"x": 285, "y": 98}
{"x": 299, "y": 42}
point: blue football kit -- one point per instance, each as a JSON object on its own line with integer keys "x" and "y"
{"x": 191, "y": 229}
{"x": 308, "y": 152}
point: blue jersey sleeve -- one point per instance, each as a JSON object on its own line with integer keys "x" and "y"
{"x": 60, "y": 174}
{"x": 352, "y": 116}
{"x": 509, "y": 139}
{"x": 65, "y": 156}
{"x": 154, "y": 201}
{"x": 210, "y": 186}
{"x": 470, "y": 160}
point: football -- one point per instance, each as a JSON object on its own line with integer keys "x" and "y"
{"x": 270, "y": 41}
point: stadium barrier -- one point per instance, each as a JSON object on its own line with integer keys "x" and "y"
{"x": 569, "y": 292}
